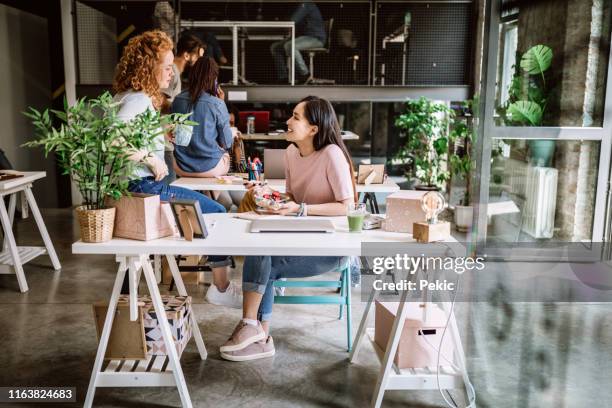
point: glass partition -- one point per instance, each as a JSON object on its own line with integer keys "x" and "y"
{"x": 542, "y": 190}
{"x": 552, "y": 63}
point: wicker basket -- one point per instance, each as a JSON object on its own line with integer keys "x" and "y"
{"x": 96, "y": 225}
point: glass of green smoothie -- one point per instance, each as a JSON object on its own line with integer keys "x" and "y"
{"x": 356, "y": 212}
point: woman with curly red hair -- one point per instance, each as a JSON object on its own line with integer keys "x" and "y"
{"x": 144, "y": 69}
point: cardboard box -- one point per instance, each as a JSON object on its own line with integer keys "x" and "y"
{"x": 403, "y": 210}
{"x": 179, "y": 314}
{"x": 419, "y": 339}
{"x": 127, "y": 338}
{"x": 136, "y": 340}
{"x": 189, "y": 278}
{"x": 143, "y": 217}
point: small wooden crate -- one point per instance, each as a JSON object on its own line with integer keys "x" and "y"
{"x": 424, "y": 232}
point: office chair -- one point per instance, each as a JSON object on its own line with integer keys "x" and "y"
{"x": 344, "y": 299}
{"x": 324, "y": 50}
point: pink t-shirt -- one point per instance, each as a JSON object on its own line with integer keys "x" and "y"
{"x": 322, "y": 177}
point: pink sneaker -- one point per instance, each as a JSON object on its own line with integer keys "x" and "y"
{"x": 254, "y": 351}
{"x": 243, "y": 335}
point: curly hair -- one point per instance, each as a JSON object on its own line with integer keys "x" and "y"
{"x": 139, "y": 63}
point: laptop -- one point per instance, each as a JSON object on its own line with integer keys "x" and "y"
{"x": 262, "y": 121}
{"x": 288, "y": 224}
{"x": 274, "y": 163}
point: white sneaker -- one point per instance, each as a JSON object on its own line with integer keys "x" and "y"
{"x": 232, "y": 297}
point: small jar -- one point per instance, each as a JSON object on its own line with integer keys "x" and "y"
{"x": 250, "y": 125}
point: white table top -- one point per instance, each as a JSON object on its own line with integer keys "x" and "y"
{"x": 231, "y": 236}
{"x": 205, "y": 184}
{"x": 346, "y": 135}
{"x": 28, "y": 177}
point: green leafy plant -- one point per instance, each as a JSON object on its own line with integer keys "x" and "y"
{"x": 93, "y": 145}
{"x": 527, "y": 96}
{"x": 461, "y": 163}
{"x": 425, "y": 141}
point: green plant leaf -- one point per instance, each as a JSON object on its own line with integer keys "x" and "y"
{"x": 93, "y": 145}
{"x": 525, "y": 113}
{"x": 537, "y": 59}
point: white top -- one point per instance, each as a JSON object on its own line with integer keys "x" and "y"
{"x": 230, "y": 236}
{"x": 194, "y": 183}
{"x": 28, "y": 177}
{"x": 132, "y": 104}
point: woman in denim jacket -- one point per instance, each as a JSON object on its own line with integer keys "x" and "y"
{"x": 206, "y": 154}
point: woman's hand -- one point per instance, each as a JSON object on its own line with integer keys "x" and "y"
{"x": 290, "y": 207}
{"x": 220, "y": 93}
{"x": 235, "y": 133}
{"x": 169, "y": 135}
{"x": 157, "y": 166}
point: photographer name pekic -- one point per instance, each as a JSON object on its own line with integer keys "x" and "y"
{"x": 422, "y": 284}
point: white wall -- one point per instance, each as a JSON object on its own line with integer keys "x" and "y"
{"x": 96, "y": 44}
{"x": 25, "y": 80}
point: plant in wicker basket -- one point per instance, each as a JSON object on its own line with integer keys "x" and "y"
{"x": 93, "y": 146}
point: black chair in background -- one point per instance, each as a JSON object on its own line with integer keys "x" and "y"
{"x": 312, "y": 80}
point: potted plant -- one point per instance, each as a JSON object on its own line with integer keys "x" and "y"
{"x": 93, "y": 146}
{"x": 527, "y": 100}
{"x": 461, "y": 138}
{"x": 425, "y": 141}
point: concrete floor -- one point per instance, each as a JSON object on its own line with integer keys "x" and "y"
{"x": 551, "y": 356}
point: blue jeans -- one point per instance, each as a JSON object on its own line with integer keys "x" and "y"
{"x": 169, "y": 159}
{"x": 282, "y": 49}
{"x": 260, "y": 272}
{"x": 148, "y": 185}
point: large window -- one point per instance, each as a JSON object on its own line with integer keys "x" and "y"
{"x": 546, "y": 139}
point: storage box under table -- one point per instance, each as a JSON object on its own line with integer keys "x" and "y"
{"x": 178, "y": 312}
{"x": 420, "y": 339}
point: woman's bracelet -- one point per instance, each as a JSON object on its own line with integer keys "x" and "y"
{"x": 302, "y": 210}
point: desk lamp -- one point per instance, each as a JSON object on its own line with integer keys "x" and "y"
{"x": 432, "y": 230}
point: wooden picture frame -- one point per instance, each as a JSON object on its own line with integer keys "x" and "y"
{"x": 189, "y": 219}
{"x": 371, "y": 174}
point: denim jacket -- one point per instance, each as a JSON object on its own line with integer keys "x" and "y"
{"x": 211, "y": 138}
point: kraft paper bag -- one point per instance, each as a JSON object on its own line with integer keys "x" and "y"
{"x": 142, "y": 217}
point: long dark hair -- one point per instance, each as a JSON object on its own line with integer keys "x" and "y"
{"x": 320, "y": 112}
{"x": 203, "y": 78}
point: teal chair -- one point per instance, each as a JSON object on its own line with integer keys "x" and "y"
{"x": 344, "y": 298}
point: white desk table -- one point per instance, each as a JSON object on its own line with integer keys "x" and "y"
{"x": 228, "y": 236}
{"x": 211, "y": 184}
{"x": 12, "y": 256}
{"x": 346, "y": 135}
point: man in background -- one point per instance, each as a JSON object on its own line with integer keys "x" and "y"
{"x": 188, "y": 49}
{"x": 310, "y": 33}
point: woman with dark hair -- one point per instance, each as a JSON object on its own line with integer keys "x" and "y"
{"x": 206, "y": 155}
{"x": 319, "y": 181}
